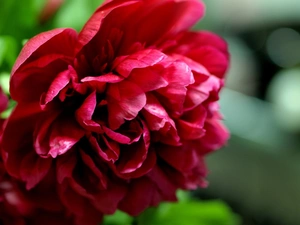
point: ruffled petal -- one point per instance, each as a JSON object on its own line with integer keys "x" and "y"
{"x": 125, "y": 100}
{"x": 138, "y": 22}
{"x": 57, "y": 135}
{"x": 33, "y": 169}
{"x": 32, "y": 66}
{"x": 204, "y": 47}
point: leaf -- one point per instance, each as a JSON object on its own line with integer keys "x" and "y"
{"x": 118, "y": 218}
{"x": 191, "y": 213}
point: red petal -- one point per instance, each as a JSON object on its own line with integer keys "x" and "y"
{"x": 35, "y": 78}
{"x": 201, "y": 91}
{"x": 212, "y": 59}
{"x": 141, "y": 194}
{"x": 99, "y": 83}
{"x": 33, "y": 169}
{"x": 56, "y": 86}
{"x": 160, "y": 122}
{"x": 146, "y": 167}
{"x": 89, "y": 162}
{"x": 41, "y": 59}
{"x": 65, "y": 166}
{"x": 165, "y": 186}
{"x": 191, "y": 40}
{"x": 183, "y": 158}
{"x": 41, "y": 132}
{"x": 139, "y": 22}
{"x": 215, "y": 137}
{"x": 148, "y": 24}
{"x": 172, "y": 97}
{"x": 120, "y": 138}
{"x": 85, "y": 112}
{"x": 107, "y": 201}
{"x": 109, "y": 151}
{"x": 80, "y": 207}
{"x": 17, "y": 147}
{"x": 141, "y": 59}
{"x": 64, "y": 134}
{"x": 57, "y": 138}
{"x": 155, "y": 115}
{"x": 96, "y": 21}
{"x": 124, "y": 101}
{"x": 64, "y": 39}
{"x": 132, "y": 158}
{"x": 205, "y": 48}
{"x": 191, "y": 125}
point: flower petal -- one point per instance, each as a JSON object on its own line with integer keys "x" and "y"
{"x": 65, "y": 133}
{"x": 215, "y": 137}
{"x": 124, "y": 101}
{"x": 41, "y": 59}
{"x": 57, "y": 135}
{"x": 205, "y": 48}
{"x": 142, "y": 193}
{"x": 99, "y": 83}
{"x": 191, "y": 125}
{"x": 141, "y": 59}
{"x": 56, "y": 86}
{"x": 96, "y": 21}
{"x": 46, "y": 43}
{"x": 139, "y": 22}
{"x": 85, "y": 113}
{"x": 33, "y": 169}
{"x": 109, "y": 151}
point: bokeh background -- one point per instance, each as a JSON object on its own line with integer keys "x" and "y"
{"x": 255, "y": 179}
{"x": 258, "y": 173}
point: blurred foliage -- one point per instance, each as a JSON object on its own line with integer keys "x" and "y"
{"x": 184, "y": 212}
{"x": 187, "y": 211}
{"x": 191, "y": 212}
{"x": 119, "y": 218}
{"x": 8, "y": 51}
{"x": 74, "y": 13}
{"x": 22, "y": 17}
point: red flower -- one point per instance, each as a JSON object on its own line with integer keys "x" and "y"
{"x": 124, "y": 112}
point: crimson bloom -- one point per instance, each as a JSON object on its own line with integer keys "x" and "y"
{"x": 123, "y": 113}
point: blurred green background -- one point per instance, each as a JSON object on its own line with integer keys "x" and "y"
{"x": 255, "y": 179}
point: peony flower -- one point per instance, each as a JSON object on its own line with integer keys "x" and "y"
{"x": 122, "y": 113}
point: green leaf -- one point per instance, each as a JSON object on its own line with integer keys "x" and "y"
{"x": 119, "y": 218}
{"x": 189, "y": 213}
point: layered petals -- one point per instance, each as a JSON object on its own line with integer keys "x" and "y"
{"x": 119, "y": 116}
{"x": 203, "y": 47}
{"x": 40, "y": 61}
